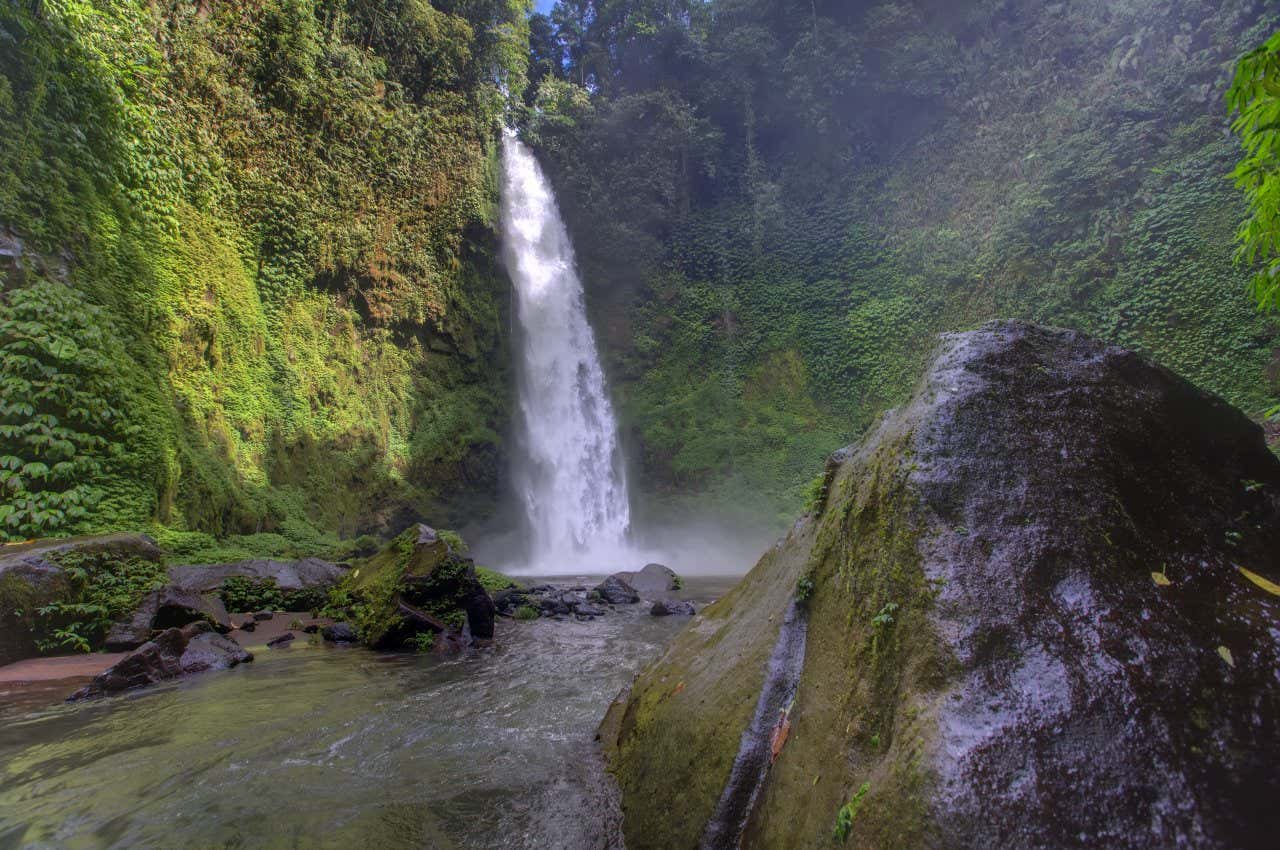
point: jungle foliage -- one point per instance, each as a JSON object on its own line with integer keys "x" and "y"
{"x": 248, "y": 284}
{"x": 1255, "y": 98}
{"x": 778, "y": 205}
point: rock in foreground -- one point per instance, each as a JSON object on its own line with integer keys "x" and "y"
{"x": 175, "y": 652}
{"x": 1038, "y": 615}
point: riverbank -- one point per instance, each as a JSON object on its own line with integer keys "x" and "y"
{"x": 35, "y": 682}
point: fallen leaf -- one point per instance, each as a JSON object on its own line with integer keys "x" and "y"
{"x": 1161, "y": 579}
{"x": 679, "y": 688}
{"x": 779, "y": 738}
{"x": 1226, "y": 656}
{"x": 1269, "y": 587}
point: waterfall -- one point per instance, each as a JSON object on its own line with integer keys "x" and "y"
{"x": 568, "y": 471}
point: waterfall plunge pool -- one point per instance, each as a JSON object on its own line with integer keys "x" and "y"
{"x": 323, "y": 747}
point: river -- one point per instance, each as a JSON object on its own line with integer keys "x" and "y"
{"x": 316, "y": 746}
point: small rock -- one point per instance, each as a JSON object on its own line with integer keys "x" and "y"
{"x": 668, "y": 607}
{"x": 586, "y": 609}
{"x": 263, "y": 615}
{"x": 282, "y": 640}
{"x": 616, "y": 591}
{"x": 248, "y": 626}
{"x": 554, "y": 605}
{"x": 311, "y": 628}
{"x": 340, "y": 633}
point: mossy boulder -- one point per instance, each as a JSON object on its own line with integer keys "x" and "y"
{"x": 419, "y": 583}
{"x": 1041, "y": 613}
{"x": 56, "y": 572}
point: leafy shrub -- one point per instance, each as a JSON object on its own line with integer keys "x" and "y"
{"x": 493, "y": 580}
{"x": 845, "y": 816}
{"x": 242, "y": 594}
{"x": 59, "y": 408}
{"x": 527, "y": 612}
{"x": 104, "y": 588}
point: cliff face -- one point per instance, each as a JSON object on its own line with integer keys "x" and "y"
{"x": 1041, "y": 612}
{"x": 250, "y": 283}
{"x": 782, "y": 205}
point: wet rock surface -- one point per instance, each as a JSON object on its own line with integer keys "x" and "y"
{"x": 558, "y": 601}
{"x": 175, "y": 652}
{"x": 616, "y": 591}
{"x": 340, "y": 633}
{"x": 672, "y": 607}
{"x": 1039, "y": 617}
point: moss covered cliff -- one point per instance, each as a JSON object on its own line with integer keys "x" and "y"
{"x": 778, "y": 205}
{"x": 250, "y": 282}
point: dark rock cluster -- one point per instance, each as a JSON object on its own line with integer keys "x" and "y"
{"x": 193, "y": 648}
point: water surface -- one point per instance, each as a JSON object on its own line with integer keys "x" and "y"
{"x": 317, "y": 747}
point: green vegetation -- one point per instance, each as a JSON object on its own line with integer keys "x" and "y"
{"x": 493, "y": 580}
{"x": 527, "y": 612}
{"x": 431, "y": 577}
{"x": 241, "y": 593}
{"x": 250, "y": 285}
{"x": 1254, "y": 97}
{"x": 778, "y": 206}
{"x": 849, "y": 811}
{"x": 102, "y": 587}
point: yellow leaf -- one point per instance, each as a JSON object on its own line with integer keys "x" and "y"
{"x": 1269, "y": 587}
{"x": 1226, "y": 656}
{"x": 1161, "y": 579}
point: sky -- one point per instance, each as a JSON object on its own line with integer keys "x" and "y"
{"x": 544, "y": 6}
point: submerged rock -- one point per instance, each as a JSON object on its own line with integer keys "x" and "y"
{"x": 166, "y": 608}
{"x": 616, "y": 591}
{"x": 1039, "y": 615}
{"x": 175, "y": 652}
{"x": 281, "y": 640}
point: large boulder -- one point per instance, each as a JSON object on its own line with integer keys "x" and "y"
{"x": 1035, "y": 607}
{"x": 287, "y": 575}
{"x": 32, "y": 576}
{"x": 653, "y": 580}
{"x": 166, "y": 608}
{"x": 419, "y": 584}
{"x": 175, "y": 652}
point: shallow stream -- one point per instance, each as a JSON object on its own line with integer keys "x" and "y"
{"x": 316, "y": 747}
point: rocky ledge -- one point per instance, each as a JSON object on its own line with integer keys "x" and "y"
{"x": 1041, "y": 611}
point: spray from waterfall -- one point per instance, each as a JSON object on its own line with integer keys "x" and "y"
{"x": 568, "y": 470}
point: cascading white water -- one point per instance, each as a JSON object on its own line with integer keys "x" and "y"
{"x": 569, "y": 472}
